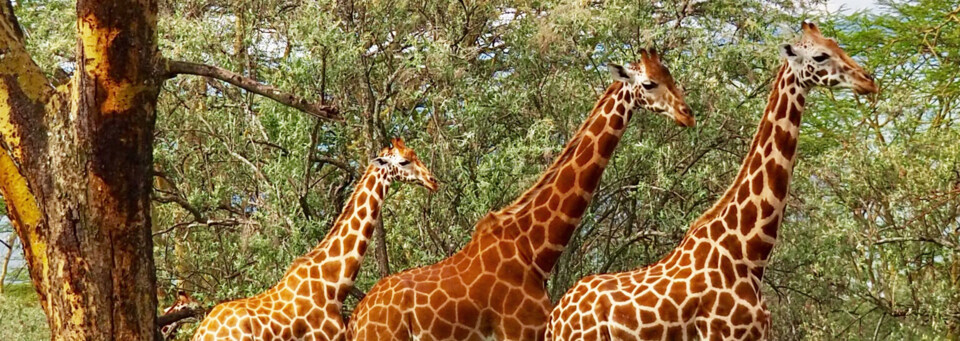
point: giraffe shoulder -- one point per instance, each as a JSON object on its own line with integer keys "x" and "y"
{"x": 486, "y": 224}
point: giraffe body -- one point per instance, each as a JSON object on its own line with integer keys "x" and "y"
{"x": 708, "y": 288}
{"x": 494, "y": 288}
{"x": 305, "y": 304}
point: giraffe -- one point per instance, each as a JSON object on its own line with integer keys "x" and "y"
{"x": 495, "y": 286}
{"x": 305, "y": 304}
{"x": 184, "y": 301}
{"x": 709, "y": 286}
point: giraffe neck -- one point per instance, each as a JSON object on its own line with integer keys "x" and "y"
{"x": 547, "y": 214}
{"x": 334, "y": 263}
{"x": 747, "y": 217}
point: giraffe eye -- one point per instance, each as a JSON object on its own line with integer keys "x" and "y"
{"x": 404, "y": 163}
{"x": 649, "y": 85}
{"x": 821, "y": 57}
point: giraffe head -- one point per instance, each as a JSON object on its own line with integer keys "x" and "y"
{"x": 402, "y": 164}
{"x": 653, "y": 87}
{"x": 818, "y": 61}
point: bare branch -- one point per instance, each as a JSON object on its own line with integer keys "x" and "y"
{"x": 165, "y": 199}
{"x": 357, "y": 293}
{"x": 327, "y": 112}
{"x": 337, "y": 163}
{"x": 178, "y": 315}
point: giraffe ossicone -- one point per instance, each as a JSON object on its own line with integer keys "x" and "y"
{"x": 305, "y": 304}
{"x": 708, "y": 288}
{"x": 494, "y": 288}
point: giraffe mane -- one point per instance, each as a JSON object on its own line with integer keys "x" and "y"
{"x": 731, "y": 190}
{"x": 490, "y": 220}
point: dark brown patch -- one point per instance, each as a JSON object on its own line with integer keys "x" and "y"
{"x": 795, "y": 115}
{"x": 334, "y": 250}
{"x": 598, "y": 125}
{"x": 726, "y": 269}
{"x": 732, "y": 244}
{"x": 585, "y": 151}
{"x": 590, "y": 177}
{"x": 741, "y": 315}
{"x": 700, "y": 254}
{"x": 560, "y": 231}
{"x": 607, "y": 143}
{"x": 786, "y": 143}
{"x": 744, "y": 192}
{"x": 771, "y": 227}
{"x": 651, "y": 333}
{"x": 755, "y": 162}
{"x": 541, "y": 214}
{"x": 574, "y": 206}
{"x": 616, "y": 122}
{"x": 782, "y": 106}
{"x": 542, "y": 198}
{"x": 746, "y": 292}
{"x": 766, "y": 208}
{"x": 716, "y": 230}
{"x": 725, "y": 304}
{"x": 566, "y": 179}
{"x": 730, "y": 217}
{"x": 758, "y": 249}
{"x": 757, "y": 184}
{"x": 748, "y": 217}
{"x": 778, "y": 179}
{"x": 765, "y": 129}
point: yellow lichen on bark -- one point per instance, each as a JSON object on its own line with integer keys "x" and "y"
{"x": 71, "y": 297}
{"x": 24, "y": 209}
{"x": 21, "y": 72}
{"x": 10, "y": 133}
{"x": 96, "y": 40}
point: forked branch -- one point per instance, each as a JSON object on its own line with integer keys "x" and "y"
{"x": 327, "y": 112}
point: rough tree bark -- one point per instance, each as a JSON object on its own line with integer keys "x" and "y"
{"x": 76, "y": 167}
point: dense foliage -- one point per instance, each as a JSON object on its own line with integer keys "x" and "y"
{"x": 488, "y": 91}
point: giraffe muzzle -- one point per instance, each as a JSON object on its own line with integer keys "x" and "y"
{"x": 431, "y": 184}
{"x": 684, "y": 118}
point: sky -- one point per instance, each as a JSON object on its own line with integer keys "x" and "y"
{"x": 850, "y": 5}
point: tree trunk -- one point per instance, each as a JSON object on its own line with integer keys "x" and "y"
{"x": 76, "y": 167}
{"x": 99, "y": 179}
{"x": 85, "y": 153}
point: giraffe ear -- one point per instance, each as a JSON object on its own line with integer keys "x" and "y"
{"x": 620, "y": 73}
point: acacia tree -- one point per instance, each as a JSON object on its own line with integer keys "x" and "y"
{"x": 77, "y": 161}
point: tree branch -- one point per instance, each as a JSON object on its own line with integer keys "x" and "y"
{"x": 336, "y": 163}
{"x": 178, "y": 315}
{"x": 327, "y": 112}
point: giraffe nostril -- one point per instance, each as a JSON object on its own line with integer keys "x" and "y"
{"x": 868, "y": 76}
